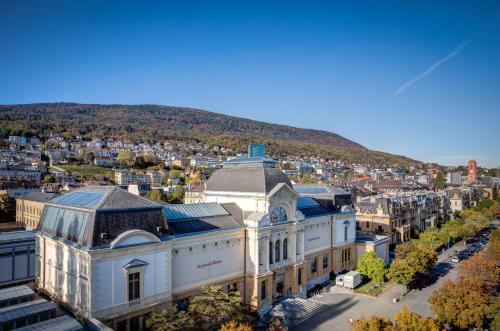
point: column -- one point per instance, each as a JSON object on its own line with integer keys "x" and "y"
{"x": 266, "y": 253}
{"x": 301, "y": 245}
{"x": 292, "y": 252}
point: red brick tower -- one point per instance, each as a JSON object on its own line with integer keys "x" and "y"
{"x": 471, "y": 177}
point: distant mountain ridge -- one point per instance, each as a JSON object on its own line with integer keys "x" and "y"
{"x": 166, "y": 118}
{"x": 157, "y": 123}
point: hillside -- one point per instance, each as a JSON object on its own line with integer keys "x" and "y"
{"x": 156, "y": 123}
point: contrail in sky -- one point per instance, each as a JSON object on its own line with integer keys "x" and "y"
{"x": 433, "y": 67}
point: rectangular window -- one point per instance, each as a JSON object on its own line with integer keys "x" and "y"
{"x": 313, "y": 265}
{"x": 299, "y": 276}
{"x": 134, "y": 285}
{"x": 232, "y": 287}
{"x": 263, "y": 290}
{"x": 345, "y": 233}
{"x": 325, "y": 261}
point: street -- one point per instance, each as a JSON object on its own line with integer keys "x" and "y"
{"x": 344, "y": 306}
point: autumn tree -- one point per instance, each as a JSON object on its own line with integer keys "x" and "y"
{"x": 374, "y": 323}
{"x": 482, "y": 269}
{"x": 372, "y": 266}
{"x": 439, "y": 182}
{"x": 277, "y": 325}
{"x": 460, "y": 305}
{"x": 410, "y": 321}
{"x": 235, "y": 326}
{"x": 493, "y": 248}
{"x": 171, "y": 319}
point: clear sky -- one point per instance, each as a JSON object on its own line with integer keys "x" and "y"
{"x": 421, "y": 79}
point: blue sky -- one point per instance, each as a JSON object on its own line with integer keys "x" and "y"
{"x": 421, "y": 79}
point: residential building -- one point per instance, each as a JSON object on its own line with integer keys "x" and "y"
{"x": 256, "y": 150}
{"x": 472, "y": 171}
{"x": 383, "y": 216}
{"x": 459, "y": 199}
{"x": 29, "y": 208}
{"x": 33, "y": 175}
{"x": 454, "y": 178}
{"x": 128, "y": 178}
{"x": 194, "y": 195}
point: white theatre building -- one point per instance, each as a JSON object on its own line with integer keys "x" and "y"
{"x": 117, "y": 257}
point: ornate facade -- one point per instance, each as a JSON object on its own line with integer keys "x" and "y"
{"x": 117, "y": 257}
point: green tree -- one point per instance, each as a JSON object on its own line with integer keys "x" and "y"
{"x": 89, "y": 157}
{"x": 372, "y": 266}
{"x": 171, "y": 319}
{"x": 156, "y": 195}
{"x": 308, "y": 179}
{"x": 461, "y": 305}
{"x": 126, "y": 157}
{"x": 48, "y": 179}
{"x": 7, "y": 209}
{"x": 439, "y": 182}
{"x": 215, "y": 307}
{"x": 176, "y": 196}
{"x": 174, "y": 174}
{"x": 412, "y": 260}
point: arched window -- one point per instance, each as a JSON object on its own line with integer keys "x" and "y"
{"x": 270, "y": 252}
{"x": 277, "y": 251}
{"x": 278, "y": 214}
{"x": 285, "y": 249}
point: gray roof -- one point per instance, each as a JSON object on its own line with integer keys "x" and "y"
{"x": 103, "y": 198}
{"x": 195, "y": 210}
{"x": 61, "y": 323}
{"x": 246, "y": 179}
{"x": 203, "y": 217}
{"x": 83, "y": 215}
{"x": 366, "y": 206}
{"x": 15, "y": 292}
{"x": 38, "y": 196}
{"x": 25, "y": 309}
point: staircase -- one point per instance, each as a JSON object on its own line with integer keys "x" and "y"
{"x": 294, "y": 311}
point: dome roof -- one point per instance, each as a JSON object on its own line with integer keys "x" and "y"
{"x": 257, "y": 179}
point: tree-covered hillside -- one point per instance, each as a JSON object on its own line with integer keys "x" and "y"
{"x": 157, "y": 123}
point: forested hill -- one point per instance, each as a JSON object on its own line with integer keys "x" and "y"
{"x": 157, "y": 123}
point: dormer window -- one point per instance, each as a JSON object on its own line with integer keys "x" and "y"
{"x": 278, "y": 214}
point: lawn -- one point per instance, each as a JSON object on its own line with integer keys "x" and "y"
{"x": 84, "y": 169}
{"x": 371, "y": 288}
{"x": 87, "y": 171}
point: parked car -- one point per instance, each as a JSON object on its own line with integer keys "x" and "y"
{"x": 455, "y": 259}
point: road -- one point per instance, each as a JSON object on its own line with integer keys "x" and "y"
{"x": 344, "y": 306}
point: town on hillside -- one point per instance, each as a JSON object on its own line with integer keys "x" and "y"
{"x": 106, "y": 234}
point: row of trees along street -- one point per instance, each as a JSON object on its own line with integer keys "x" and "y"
{"x": 470, "y": 302}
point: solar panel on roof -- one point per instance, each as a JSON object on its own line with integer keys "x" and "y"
{"x": 83, "y": 199}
